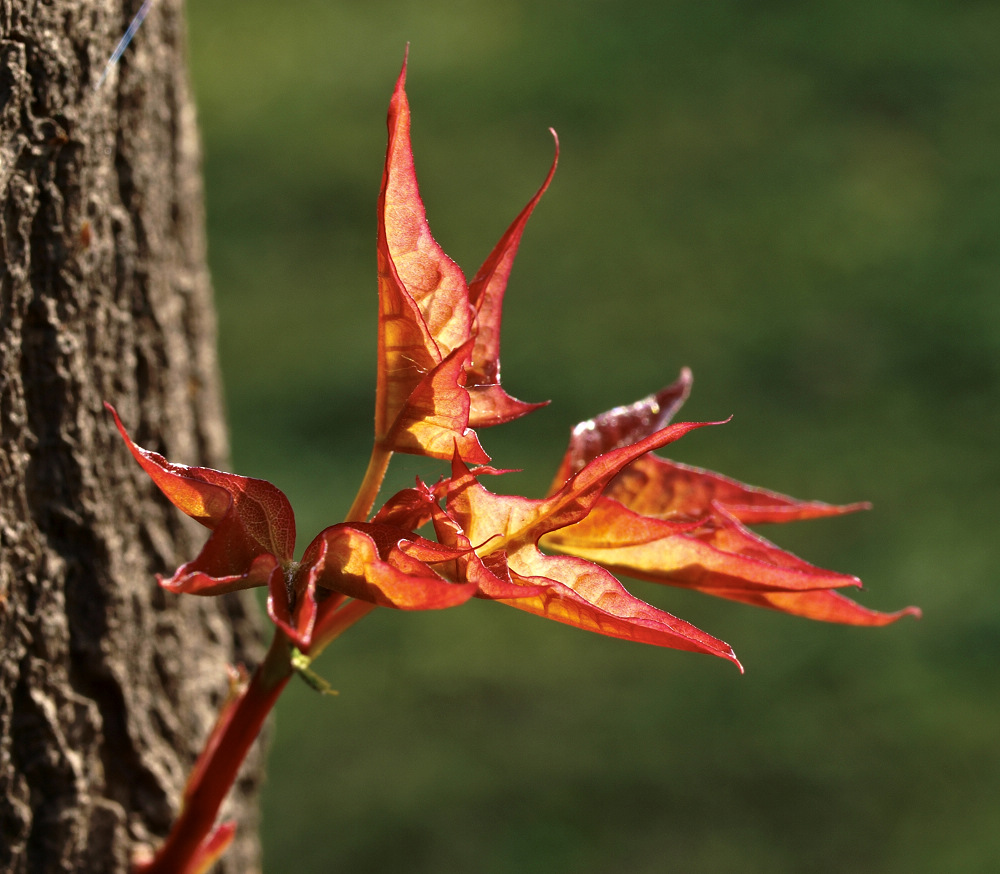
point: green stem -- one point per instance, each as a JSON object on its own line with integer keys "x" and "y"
{"x": 365, "y": 499}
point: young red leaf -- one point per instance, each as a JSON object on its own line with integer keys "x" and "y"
{"x": 424, "y": 312}
{"x": 725, "y": 533}
{"x": 384, "y": 565}
{"x": 378, "y": 563}
{"x": 698, "y": 555}
{"x": 412, "y": 508}
{"x": 408, "y": 508}
{"x": 433, "y": 421}
{"x": 821, "y": 605}
{"x": 665, "y": 522}
{"x": 292, "y": 605}
{"x": 656, "y": 486}
{"x": 438, "y": 348}
{"x": 490, "y": 576}
{"x": 573, "y": 591}
{"x": 621, "y": 426}
{"x": 491, "y": 405}
{"x": 585, "y": 595}
{"x": 530, "y": 519}
{"x": 253, "y": 527}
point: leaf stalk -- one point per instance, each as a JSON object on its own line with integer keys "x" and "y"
{"x": 378, "y": 463}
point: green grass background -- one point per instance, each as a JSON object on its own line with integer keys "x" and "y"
{"x": 801, "y": 202}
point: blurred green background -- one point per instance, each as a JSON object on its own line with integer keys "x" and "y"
{"x": 799, "y": 201}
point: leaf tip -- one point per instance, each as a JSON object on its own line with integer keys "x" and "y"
{"x": 118, "y": 422}
{"x": 856, "y": 507}
{"x": 406, "y": 59}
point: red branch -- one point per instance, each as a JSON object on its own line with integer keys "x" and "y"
{"x": 190, "y": 840}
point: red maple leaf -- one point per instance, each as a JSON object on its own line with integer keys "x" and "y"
{"x": 253, "y": 542}
{"x": 670, "y": 523}
{"x": 439, "y": 337}
{"x": 507, "y": 531}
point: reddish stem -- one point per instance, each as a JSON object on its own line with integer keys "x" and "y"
{"x": 217, "y": 767}
{"x": 191, "y": 841}
{"x": 331, "y": 625}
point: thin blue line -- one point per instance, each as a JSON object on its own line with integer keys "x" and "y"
{"x": 125, "y": 40}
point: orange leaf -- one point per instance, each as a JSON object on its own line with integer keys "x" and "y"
{"x": 253, "y": 527}
{"x": 585, "y": 595}
{"x": 381, "y": 564}
{"x": 424, "y": 310}
{"x": 384, "y": 565}
{"x": 438, "y": 338}
{"x": 409, "y": 508}
{"x": 719, "y": 554}
{"x": 668, "y": 523}
{"x": 506, "y": 531}
{"x": 412, "y": 508}
{"x": 622, "y": 426}
{"x": 435, "y": 417}
{"x": 821, "y": 605}
{"x": 528, "y": 519}
{"x": 656, "y": 486}
{"x": 491, "y": 405}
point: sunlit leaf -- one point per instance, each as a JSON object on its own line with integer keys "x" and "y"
{"x": 435, "y": 417}
{"x": 621, "y": 426}
{"x": 491, "y": 405}
{"x": 717, "y": 554}
{"x": 669, "y": 523}
{"x": 824, "y": 606}
{"x": 439, "y": 338}
{"x": 424, "y": 310}
{"x": 656, "y": 486}
{"x": 384, "y": 565}
{"x": 506, "y": 530}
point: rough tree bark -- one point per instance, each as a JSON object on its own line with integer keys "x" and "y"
{"x": 107, "y": 684}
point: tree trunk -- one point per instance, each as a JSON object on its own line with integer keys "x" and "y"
{"x": 108, "y": 685}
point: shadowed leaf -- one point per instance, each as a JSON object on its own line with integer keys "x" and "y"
{"x": 253, "y": 527}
